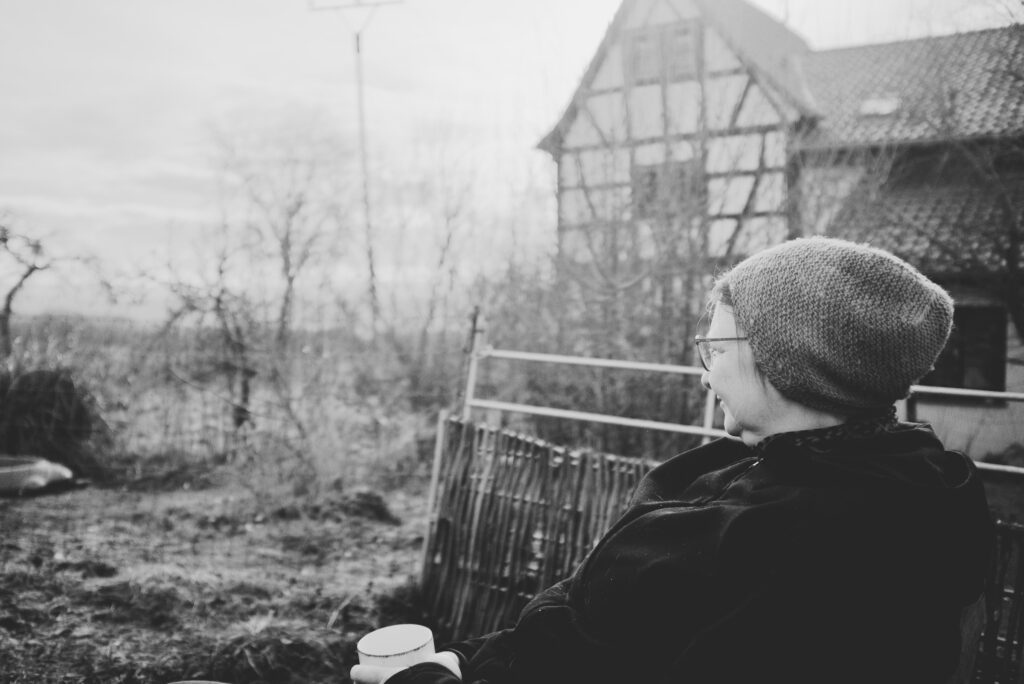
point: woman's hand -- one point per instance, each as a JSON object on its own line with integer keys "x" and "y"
{"x": 371, "y": 674}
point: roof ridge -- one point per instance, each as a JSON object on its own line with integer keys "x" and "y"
{"x": 918, "y": 39}
{"x": 769, "y": 16}
{"x": 792, "y": 86}
{"x": 547, "y": 143}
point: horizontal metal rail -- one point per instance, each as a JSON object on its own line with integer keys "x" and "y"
{"x": 492, "y": 353}
{"x": 916, "y": 392}
{"x": 655, "y": 425}
{"x": 966, "y": 393}
{"x": 996, "y": 468}
{"x": 596, "y": 418}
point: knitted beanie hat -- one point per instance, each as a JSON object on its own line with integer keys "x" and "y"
{"x": 839, "y": 326}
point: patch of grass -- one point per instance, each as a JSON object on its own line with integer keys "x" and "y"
{"x": 404, "y": 603}
{"x": 154, "y": 606}
{"x": 161, "y": 472}
{"x": 284, "y": 657}
{"x": 100, "y": 585}
{"x": 234, "y": 602}
{"x": 338, "y": 505}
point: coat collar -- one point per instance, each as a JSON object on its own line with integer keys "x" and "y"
{"x": 819, "y": 439}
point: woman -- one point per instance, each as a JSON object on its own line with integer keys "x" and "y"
{"x": 825, "y": 542}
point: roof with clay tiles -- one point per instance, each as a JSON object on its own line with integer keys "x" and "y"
{"x": 949, "y": 227}
{"x": 961, "y": 86}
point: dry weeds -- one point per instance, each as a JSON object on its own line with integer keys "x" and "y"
{"x": 163, "y": 581}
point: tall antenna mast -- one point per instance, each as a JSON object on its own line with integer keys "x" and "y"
{"x": 367, "y": 218}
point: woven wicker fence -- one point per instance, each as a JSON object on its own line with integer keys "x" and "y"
{"x": 511, "y": 516}
{"x": 1001, "y": 647}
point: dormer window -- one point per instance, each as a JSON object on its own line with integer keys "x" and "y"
{"x": 885, "y": 105}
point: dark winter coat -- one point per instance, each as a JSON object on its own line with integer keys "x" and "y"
{"x": 837, "y": 555}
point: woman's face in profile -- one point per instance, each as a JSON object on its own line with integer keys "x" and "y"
{"x": 748, "y": 400}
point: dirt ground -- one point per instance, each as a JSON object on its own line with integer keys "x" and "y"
{"x": 125, "y": 586}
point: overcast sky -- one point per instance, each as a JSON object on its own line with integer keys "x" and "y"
{"x": 106, "y": 106}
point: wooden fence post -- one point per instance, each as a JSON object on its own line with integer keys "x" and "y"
{"x": 476, "y": 333}
{"x": 709, "y": 415}
{"x": 435, "y": 476}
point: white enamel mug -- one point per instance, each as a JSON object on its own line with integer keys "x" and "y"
{"x": 396, "y": 646}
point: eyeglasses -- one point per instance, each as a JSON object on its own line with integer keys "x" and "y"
{"x": 706, "y": 353}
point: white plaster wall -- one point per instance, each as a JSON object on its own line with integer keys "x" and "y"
{"x": 775, "y": 149}
{"x": 608, "y": 111}
{"x": 567, "y": 175}
{"x": 589, "y": 168}
{"x": 729, "y": 195}
{"x": 609, "y": 74}
{"x": 579, "y": 206}
{"x": 771, "y": 193}
{"x": 682, "y": 150}
{"x": 683, "y": 101}
{"x": 760, "y": 233}
{"x": 646, "y": 112}
{"x": 650, "y": 153}
{"x": 755, "y": 234}
{"x": 722, "y": 95}
{"x": 717, "y": 55}
{"x": 719, "y": 234}
{"x": 572, "y": 209}
{"x": 757, "y": 109}
{"x": 733, "y": 153}
{"x": 582, "y": 132}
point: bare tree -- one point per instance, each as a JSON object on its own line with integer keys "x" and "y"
{"x": 290, "y": 198}
{"x": 428, "y": 217}
{"x": 221, "y": 302}
{"x": 256, "y": 274}
{"x": 28, "y": 257}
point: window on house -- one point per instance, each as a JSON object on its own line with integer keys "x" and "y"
{"x": 664, "y": 53}
{"x": 663, "y": 189}
{"x": 644, "y": 57}
{"x": 681, "y": 52}
{"x": 975, "y": 355}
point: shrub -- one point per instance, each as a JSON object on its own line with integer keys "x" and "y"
{"x": 46, "y": 413}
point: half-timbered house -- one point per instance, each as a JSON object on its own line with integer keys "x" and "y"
{"x": 704, "y": 130}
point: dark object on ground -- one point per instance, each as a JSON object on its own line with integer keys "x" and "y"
{"x": 21, "y": 475}
{"x": 359, "y": 503}
{"x": 45, "y": 413}
{"x": 367, "y": 503}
